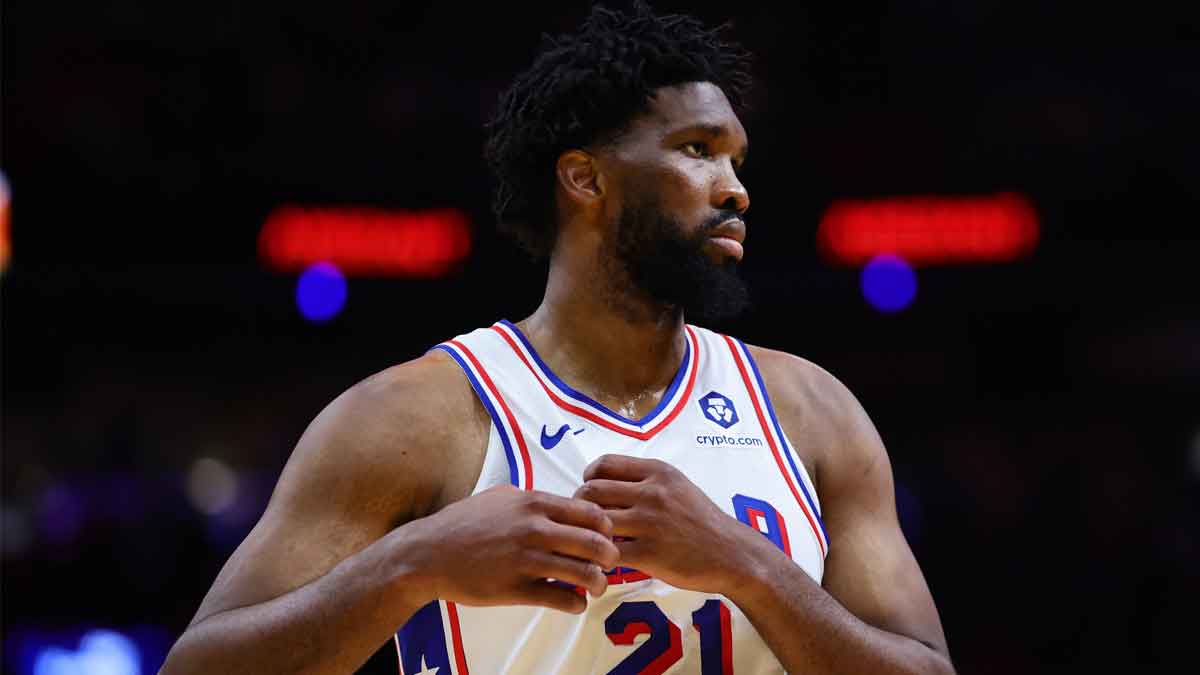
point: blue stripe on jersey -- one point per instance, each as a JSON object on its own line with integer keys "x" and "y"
{"x": 487, "y": 403}
{"x": 583, "y": 398}
{"x": 782, "y": 439}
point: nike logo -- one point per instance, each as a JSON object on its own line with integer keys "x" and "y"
{"x": 551, "y": 440}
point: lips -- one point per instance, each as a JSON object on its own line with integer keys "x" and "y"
{"x": 734, "y": 229}
{"x": 729, "y": 236}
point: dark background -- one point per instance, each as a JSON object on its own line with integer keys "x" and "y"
{"x": 1042, "y": 416}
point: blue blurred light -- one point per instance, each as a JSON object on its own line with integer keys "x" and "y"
{"x": 321, "y": 292}
{"x": 889, "y": 283}
{"x": 101, "y": 652}
{"x": 85, "y": 650}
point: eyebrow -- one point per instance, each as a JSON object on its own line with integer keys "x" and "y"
{"x": 715, "y": 130}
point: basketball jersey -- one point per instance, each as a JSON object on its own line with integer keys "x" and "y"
{"x": 715, "y": 424}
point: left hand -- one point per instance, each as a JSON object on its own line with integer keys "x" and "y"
{"x": 674, "y": 531}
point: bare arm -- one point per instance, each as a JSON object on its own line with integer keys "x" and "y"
{"x": 323, "y": 579}
{"x": 875, "y": 612}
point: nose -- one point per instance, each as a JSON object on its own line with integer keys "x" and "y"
{"x": 729, "y": 193}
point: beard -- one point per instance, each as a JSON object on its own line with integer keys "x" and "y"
{"x": 672, "y": 271}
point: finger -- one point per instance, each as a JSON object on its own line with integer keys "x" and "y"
{"x": 620, "y": 467}
{"x": 544, "y": 594}
{"x": 572, "y": 571}
{"x": 577, "y": 542}
{"x": 610, "y": 493}
{"x": 626, "y": 523}
{"x": 574, "y": 512}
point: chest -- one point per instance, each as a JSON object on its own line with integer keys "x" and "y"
{"x": 726, "y": 442}
{"x": 716, "y": 425}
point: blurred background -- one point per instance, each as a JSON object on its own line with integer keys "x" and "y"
{"x": 981, "y": 216}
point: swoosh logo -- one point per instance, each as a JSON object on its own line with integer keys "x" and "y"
{"x": 549, "y": 441}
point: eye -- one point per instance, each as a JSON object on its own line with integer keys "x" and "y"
{"x": 696, "y": 149}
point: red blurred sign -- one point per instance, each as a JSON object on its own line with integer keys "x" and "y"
{"x": 5, "y": 245}
{"x": 930, "y": 230}
{"x": 365, "y": 241}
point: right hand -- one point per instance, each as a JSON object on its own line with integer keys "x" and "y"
{"x": 501, "y": 546}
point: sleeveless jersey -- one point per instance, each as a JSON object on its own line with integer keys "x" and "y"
{"x": 715, "y": 424}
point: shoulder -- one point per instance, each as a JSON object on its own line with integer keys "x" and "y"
{"x": 819, "y": 413}
{"x": 402, "y": 439}
{"x": 808, "y": 391}
{"x": 427, "y": 398}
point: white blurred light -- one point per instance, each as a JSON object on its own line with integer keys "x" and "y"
{"x": 101, "y": 652}
{"x": 212, "y": 485}
{"x": 14, "y": 531}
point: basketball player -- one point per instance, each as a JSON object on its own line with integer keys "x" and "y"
{"x": 600, "y": 487}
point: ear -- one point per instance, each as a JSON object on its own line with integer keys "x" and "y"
{"x": 579, "y": 176}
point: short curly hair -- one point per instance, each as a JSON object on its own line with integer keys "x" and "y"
{"x": 586, "y": 87}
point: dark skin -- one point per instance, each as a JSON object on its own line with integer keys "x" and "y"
{"x": 372, "y": 518}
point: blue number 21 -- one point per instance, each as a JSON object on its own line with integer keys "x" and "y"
{"x": 664, "y": 646}
{"x": 663, "y": 649}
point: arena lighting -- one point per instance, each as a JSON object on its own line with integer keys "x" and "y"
{"x": 888, "y": 283}
{"x": 84, "y": 649}
{"x": 321, "y": 292}
{"x": 365, "y": 241}
{"x": 930, "y": 230}
{"x": 5, "y": 246}
{"x": 212, "y": 485}
{"x": 102, "y": 652}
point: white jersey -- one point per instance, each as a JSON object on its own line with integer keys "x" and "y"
{"x": 715, "y": 424}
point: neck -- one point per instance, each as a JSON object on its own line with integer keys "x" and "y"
{"x": 598, "y": 335}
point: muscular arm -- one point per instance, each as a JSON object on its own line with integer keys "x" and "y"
{"x": 874, "y": 613}
{"x": 323, "y": 579}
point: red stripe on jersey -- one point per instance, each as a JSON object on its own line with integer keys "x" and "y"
{"x": 460, "y": 657}
{"x": 762, "y": 420}
{"x": 512, "y": 421}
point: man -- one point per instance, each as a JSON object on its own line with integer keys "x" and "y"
{"x": 601, "y": 487}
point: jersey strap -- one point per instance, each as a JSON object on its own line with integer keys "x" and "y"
{"x": 789, "y": 466}
{"x": 520, "y": 468}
